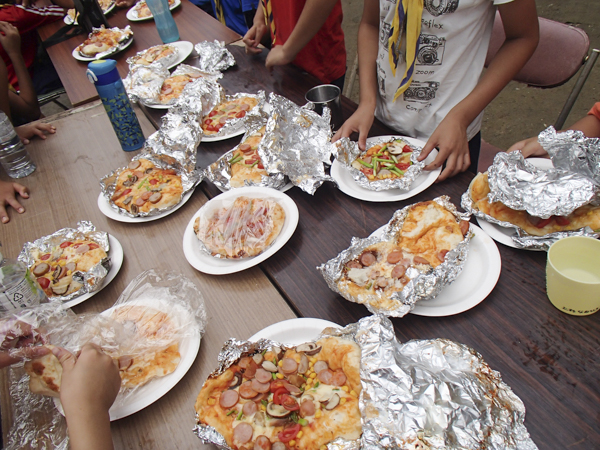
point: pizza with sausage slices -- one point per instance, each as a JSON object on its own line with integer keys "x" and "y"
{"x": 299, "y": 398}
{"x": 429, "y": 232}
{"x": 232, "y": 109}
{"x": 583, "y": 216}
{"x": 54, "y": 270}
{"x": 102, "y": 40}
{"x": 143, "y": 187}
{"x": 173, "y": 86}
{"x": 245, "y": 162}
{"x": 383, "y": 161}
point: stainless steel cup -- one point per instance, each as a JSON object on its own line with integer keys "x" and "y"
{"x": 327, "y": 95}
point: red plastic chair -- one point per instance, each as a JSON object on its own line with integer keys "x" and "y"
{"x": 561, "y": 52}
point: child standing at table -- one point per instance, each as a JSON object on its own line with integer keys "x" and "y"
{"x": 307, "y": 33}
{"x": 420, "y": 64}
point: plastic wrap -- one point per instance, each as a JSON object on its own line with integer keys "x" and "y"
{"x": 89, "y": 280}
{"x": 238, "y": 228}
{"x": 395, "y": 294}
{"x": 348, "y": 154}
{"x": 122, "y": 36}
{"x": 158, "y": 310}
{"x": 213, "y": 56}
{"x": 163, "y": 54}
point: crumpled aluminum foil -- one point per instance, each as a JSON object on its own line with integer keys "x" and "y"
{"x": 219, "y": 173}
{"x": 421, "y": 287}
{"x": 165, "y": 61}
{"x": 434, "y": 392}
{"x": 346, "y": 151}
{"x": 573, "y": 151}
{"x": 297, "y": 143}
{"x": 91, "y": 280}
{"x": 542, "y": 193}
{"x": 213, "y": 56}
{"x": 234, "y": 125}
{"x": 198, "y": 99}
{"x": 126, "y": 36}
{"x": 143, "y": 83}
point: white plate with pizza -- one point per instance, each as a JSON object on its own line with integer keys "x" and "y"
{"x": 119, "y": 48}
{"x": 294, "y": 331}
{"x": 221, "y": 266}
{"x": 133, "y": 16}
{"x": 109, "y": 212}
{"x": 155, "y": 388}
{"x": 116, "y": 260}
{"x": 349, "y": 187}
{"x": 106, "y": 6}
{"x": 504, "y": 235}
{"x": 184, "y": 48}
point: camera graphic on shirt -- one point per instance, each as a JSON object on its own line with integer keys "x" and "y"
{"x": 421, "y": 91}
{"x": 431, "y": 50}
{"x": 439, "y": 7}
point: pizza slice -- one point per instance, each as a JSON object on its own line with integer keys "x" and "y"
{"x": 383, "y": 161}
{"x": 154, "y": 54}
{"x": 245, "y": 162}
{"x": 173, "y": 86}
{"x": 220, "y": 114}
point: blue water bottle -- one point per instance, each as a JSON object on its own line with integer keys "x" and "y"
{"x": 165, "y": 24}
{"x": 105, "y": 76}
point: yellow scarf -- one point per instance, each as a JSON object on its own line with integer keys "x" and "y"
{"x": 267, "y": 9}
{"x": 409, "y": 11}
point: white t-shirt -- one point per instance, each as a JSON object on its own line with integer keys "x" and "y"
{"x": 454, "y": 40}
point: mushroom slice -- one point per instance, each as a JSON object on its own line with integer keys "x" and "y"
{"x": 303, "y": 366}
{"x": 269, "y": 366}
{"x": 60, "y": 289}
{"x": 278, "y": 411}
{"x": 333, "y": 402}
{"x": 236, "y": 380}
{"x": 309, "y": 348}
{"x": 258, "y": 359}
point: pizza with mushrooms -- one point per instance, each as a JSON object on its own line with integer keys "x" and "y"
{"x": 143, "y": 187}
{"x": 429, "y": 232}
{"x": 383, "y": 161}
{"x": 220, "y": 114}
{"x": 583, "y": 216}
{"x": 298, "y": 398}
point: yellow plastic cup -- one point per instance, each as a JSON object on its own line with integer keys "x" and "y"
{"x": 573, "y": 275}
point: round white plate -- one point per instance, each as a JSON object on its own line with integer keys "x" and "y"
{"x": 221, "y": 266}
{"x": 106, "y": 209}
{"x": 131, "y": 15}
{"x": 116, "y": 258}
{"x": 504, "y": 235}
{"x": 349, "y": 187}
{"x": 69, "y": 21}
{"x": 154, "y": 106}
{"x": 224, "y": 137}
{"x": 78, "y": 57}
{"x": 185, "y": 49}
{"x": 294, "y": 331}
{"x": 153, "y": 390}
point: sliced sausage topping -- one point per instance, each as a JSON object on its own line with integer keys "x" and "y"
{"x": 263, "y": 376}
{"x": 260, "y": 387}
{"x": 228, "y": 399}
{"x": 262, "y": 443}
{"x": 395, "y": 257}
{"x": 367, "y": 259}
{"x": 289, "y": 366}
{"x": 249, "y": 408}
{"x": 420, "y": 260}
{"x": 243, "y": 433}
{"x": 246, "y": 390}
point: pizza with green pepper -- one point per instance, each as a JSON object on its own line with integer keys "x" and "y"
{"x": 385, "y": 161}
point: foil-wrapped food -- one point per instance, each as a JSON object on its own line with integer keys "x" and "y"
{"x": 542, "y": 206}
{"x": 164, "y": 54}
{"x": 421, "y": 250}
{"x": 103, "y": 42}
{"x": 213, "y": 56}
{"x": 358, "y": 388}
{"x": 69, "y": 262}
{"x": 388, "y": 163}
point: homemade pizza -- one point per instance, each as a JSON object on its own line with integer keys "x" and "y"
{"x": 102, "y": 40}
{"x": 429, "y": 232}
{"x": 173, "y": 86}
{"x": 382, "y": 161}
{"x": 143, "y": 187}
{"x": 54, "y": 270}
{"x": 154, "y": 54}
{"x": 142, "y": 10}
{"x": 245, "y": 162}
{"x": 45, "y": 374}
{"x": 583, "y": 216}
{"x": 232, "y": 109}
{"x": 245, "y": 228}
{"x": 299, "y": 398}
{"x": 105, "y": 5}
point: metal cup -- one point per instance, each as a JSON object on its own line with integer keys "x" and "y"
{"x": 327, "y": 95}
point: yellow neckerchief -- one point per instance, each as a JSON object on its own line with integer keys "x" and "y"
{"x": 409, "y": 12}
{"x": 219, "y": 12}
{"x": 268, "y": 10}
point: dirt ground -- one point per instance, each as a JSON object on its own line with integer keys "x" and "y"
{"x": 519, "y": 111}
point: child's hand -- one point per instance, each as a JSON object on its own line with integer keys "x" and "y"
{"x": 8, "y": 191}
{"x": 360, "y": 122}
{"x": 10, "y": 39}
{"x": 30, "y": 130}
{"x": 529, "y": 147}
{"x": 253, "y": 37}
{"x": 278, "y": 56}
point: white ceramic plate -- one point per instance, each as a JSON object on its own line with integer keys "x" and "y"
{"x": 224, "y": 137}
{"x": 116, "y": 257}
{"x": 504, "y": 235}
{"x": 294, "y": 331}
{"x": 156, "y": 388}
{"x": 221, "y": 266}
{"x": 285, "y": 188}
{"x": 131, "y": 15}
{"x": 106, "y": 209}
{"x": 349, "y": 187}
{"x": 185, "y": 49}
{"x": 78, "y": 57}
{"x": 69, "y": 21}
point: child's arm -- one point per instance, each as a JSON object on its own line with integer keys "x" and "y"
{"x": 313, "y": 16}
{"x": 368, "y": 46}
{"x": 89, "y": 386}
{"x": 256, "y": 32}
{"x": 450, "y": 137}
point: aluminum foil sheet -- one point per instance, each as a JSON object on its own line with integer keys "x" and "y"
{"x": 219, "y": 173}
{"x": 234, "y": 125}
{"x": 346, "y": 152}
{"x": 213, "y": 56}
{"x": 126, "y": 35}
{"x": 542, "y": 193}
{"x": 198, "y": 99}
{"x": 140, "y": 57}
{"x": 422, "y": 286}
{"x": 573, "y": 151}
{"x": 143, "y": 83}
{"x": 435, "y": 393}
{"x": 90, "y": 280}
{"x": 297, "y": 143}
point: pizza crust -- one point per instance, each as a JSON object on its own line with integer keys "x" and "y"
{"x": 45, "y": 374}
